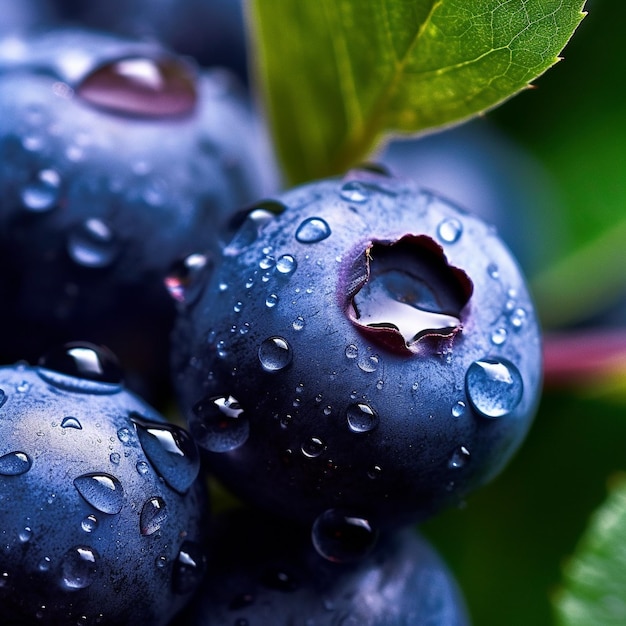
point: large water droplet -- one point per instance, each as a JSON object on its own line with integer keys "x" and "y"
{"x": 312, "y": 230}
{"x": 354, "y": 191}
{"x": 188, "y": 568}
{"x": 275, "y": 354}
{"x": 15, "y": 463}
{"x": 143, "y": 86}
{"x": 340, "y": 537}
{"x": 82, "y": 368}
{"x": 218, "y": 424}
{"x": 450, "y": 230}
{"x": 103, "y": 491}
{"x": 153, "y": 515}
{"x": 71, "y": 422}
{"x": 186, "y": 278}
{"x": 92, "y": 244}
{"x": 171, "y": 451}
{"x": 494, "y": 386}
{"x": 362, "y": 418}
{"x": 79, "y": 567}
{"x": 42, "y": 193}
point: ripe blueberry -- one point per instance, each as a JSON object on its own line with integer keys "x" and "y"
{"x": 101, "y": 511}
{"x": 371, "y": 349}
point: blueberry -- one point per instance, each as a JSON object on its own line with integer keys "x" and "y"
{"x": 372, "y": 349}
{"x": 101, "y": 510}
{"x": 118, "y": 159}
{"x": 266, "y": 572}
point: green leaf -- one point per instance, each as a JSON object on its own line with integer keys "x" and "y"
{"x": 595, "y": 579}
{"x": 338, "y": 75}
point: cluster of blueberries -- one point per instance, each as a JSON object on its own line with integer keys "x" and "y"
{"x": 347, "y": 357}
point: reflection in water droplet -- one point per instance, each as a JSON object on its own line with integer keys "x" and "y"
{"x": 494, "y": 386}
{"x": 89, "y": 524}
{"x": 170, "y": 450}
{"x": 219, "y": 424}
{"x": 312, "y": 230}
{"x": 42, "y": 193}
{"x": 71, "y": 422}
{"x": 103, "y": 491}
{"x": 186, "y": 278}
{"x": 286, "y": 265}
{"x": 188, "y": 568}
{"x": 79, "y": 567}
{"x": 92, "y": 244}
{"x": 275, "y": 354}
{"x": 271, "y": 301}
{"x": 459, "y": 458}
{"x": 458, "y": 409}
{"x": 15, "y": 464}
{"x": 354, "y": 191}
{"x": 153, "y": 515}
{"x": 450, "y": 230}
{"x": 340, "y": 537}
{"x": 362, "y": 418}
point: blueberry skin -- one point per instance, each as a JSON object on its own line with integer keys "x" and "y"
{"x": 101, "y": 513}
{"x": 266, "y": 572}
{"x": 97, "y": 203}
{"x": 303, "y": 409}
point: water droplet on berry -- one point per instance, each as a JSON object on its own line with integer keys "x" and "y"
{"x": 340, "y": 537}
{"x": 103, "y": 491}
{"x": 250, "y": 223}
{"x": 218, "y": 424}
{"x": 286, "y": 265}
{"x": 298, "y": 323}
{"x": 171, "y": 451}
{"x": 123, "y": 434}
{"x": 92, "y": 244}
{"x": 313, "y": 447}
{"x": 22, "y": 387}
{"x": 188, "y": 568}
{"x": 362, "y": 418}
{"x": 458, "y": 409}
{"x": 42, "y": 194}
{"x": 352, "y": 351}
{"x": 44, "y": 564}
{"x": 115, "y": 458}
{"x": 271, "y": 301}
{"x": 369, "y": 363}
{"x": 185, "y": 279}
{"x": 498, "y": 336}
{"x": 275, "y": 354}
{"x": 78, "y": 567}
{"x": 375, "y": 472}
{"x": 354, "y": 191}
{"x": 450, "y": 230}
{"x": 142, "y": 86}
{"x": 25, "y": 535}
{"x": 493, "y": 271}
{"x": 312, "y": 230}
{"x": 71, "y": 422}
{"x": 89, "y": 524}
{"x": 153, "y": 515}
{"x": 142, "y": 468}
{"x": 494, "y": 386}
{"x": 15, "y": 464}
{"x": 518, "y": 318}
{"x": 459, "y": 458}
{"x": 81, "y": 367}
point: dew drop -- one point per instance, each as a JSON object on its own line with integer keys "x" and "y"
{"x": 25, "y": 535}
{"x": 142, "y": 468}
{"x": 271, "y": 301}
{"x": 354, "y": 191}
{"x": 518, "y": 318}
{"x": 22, "y": 387}
{"x": 15, "y": 464}
{"x": 450, "y": 230}
{"x": 44, "y": 564}
{"x": 458, "y": 409}
{"x": 494, "y": 386}
{"x": 362, "y": 418}
{"x": 89, "y": 524}
{"x": 375, "y": 472}
{"x": 286, "y": 265}
{"x": 103, "y": 491}
{"x": 71, "y": 422}
{"x": 142, "y": 86}
{"x": 153, "y": 515}
{"x": 170, "y": 450}
{"x": 352, "y": 351}
{"x": 498, "y": 336}
{"x": 313, "y": 447}
{"x": 275, "y": 354}
{"x": 115, "y": 458}
{"x": 219, "y": 424}
{"x": 312, "y": 230}
{"x": 123, "y": 434}
{"x": 340, "y": 537}
{"x": 298, "y": 323}
{"x": 160, "y": 561}
{"x": 188, "y": 568}
{"x": 78, "y": 567}
{"x": 493, "y": 271}
{"x": 459, "y": 458}
{"x": 42, "y": 194}
{"x": 92, "y": 244}
{"x": 186, "y": 278}
{"x": 369, "y": 363}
